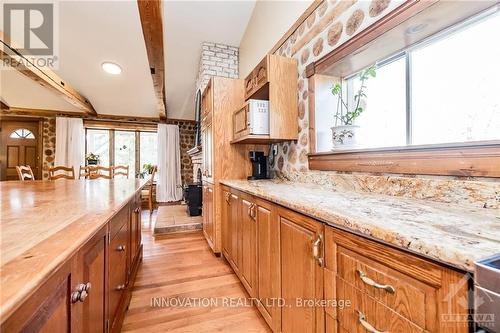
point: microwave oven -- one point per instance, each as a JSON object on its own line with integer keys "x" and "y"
{"x": 258, "y": 116}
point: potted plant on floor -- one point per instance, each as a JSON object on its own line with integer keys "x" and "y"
{"x": 344, "y": 133}
{"x": 92, "y": 159}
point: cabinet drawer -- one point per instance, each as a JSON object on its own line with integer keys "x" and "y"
{"x": 117, "y": 269}
{"x": 399, "y": 292}
{"x": 365, "y": 311}
{"x": 260, "y": 74}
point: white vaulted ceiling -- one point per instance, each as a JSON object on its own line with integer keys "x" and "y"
{"x": 186, "y": 25}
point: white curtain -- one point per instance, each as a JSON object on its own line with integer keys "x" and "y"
{"x": 169, "y": 181}
{"x": 70, "y": 142}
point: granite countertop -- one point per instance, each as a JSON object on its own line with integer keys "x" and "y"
{"x": 43, "y": 223}
{"x": 451, "y": 234}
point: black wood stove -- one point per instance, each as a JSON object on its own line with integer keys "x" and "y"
{"x": 193, "y": 196}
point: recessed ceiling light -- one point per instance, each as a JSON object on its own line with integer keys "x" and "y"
{"x": 415, "y": 29}
{"x": 111, "y": 68}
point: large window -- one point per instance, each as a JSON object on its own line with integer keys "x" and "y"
{"x": 124, "y": 153}
{"x": 98, "y": 144}
{"x": 442, "y": 90}
{"x": 123, "y": 147}
{"x": 149, "y": 148}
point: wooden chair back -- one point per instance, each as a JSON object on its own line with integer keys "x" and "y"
{"x": 68, "y": 172}
{"x": 95, "y": 172}
{"x": 119, "y": 172}
{"x": 25, "y": 173}
{"x": 150, "y": 194}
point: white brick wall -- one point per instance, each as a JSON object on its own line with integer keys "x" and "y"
{"x": 217, "y": 60}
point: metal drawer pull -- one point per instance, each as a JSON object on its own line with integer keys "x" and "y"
{"x": 81, "y": 292}
{"x": 367, "y": 325}
{"x": 120, "y": 248}
{"x": 253, "y": 212}
{"x": 316, "y": 245}
{"x": 120, "y": 287}
{"x": 390, "y": 289}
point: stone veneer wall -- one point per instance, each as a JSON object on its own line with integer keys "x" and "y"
{"x": 217, "y": 60}
{"x": 48, "y": 145}
{"x": 330, "y": 25}
{"x": 187, "y": 130}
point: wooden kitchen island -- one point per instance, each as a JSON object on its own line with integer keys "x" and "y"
{"x": 69, "y": 252}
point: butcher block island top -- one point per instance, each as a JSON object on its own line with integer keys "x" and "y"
{"x": 448, "y": 233}
{"x": 43, "y": 223}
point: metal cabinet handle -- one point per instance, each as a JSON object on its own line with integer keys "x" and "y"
{"x": 367, "y": 325}
{"x": 316, "y": 250}
{"x": 81, "y": 292}
{"x": 120, "y": 287}
{"x": 120, "y": 248}
{"x": 390, "y": 289}
{"x": 137, "y": 210}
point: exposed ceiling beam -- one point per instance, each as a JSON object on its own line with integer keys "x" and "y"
{"x": 43, "y": 76}
{"x": 152, "y": 29}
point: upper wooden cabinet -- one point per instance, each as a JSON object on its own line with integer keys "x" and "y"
{"x": 275, "y": 80}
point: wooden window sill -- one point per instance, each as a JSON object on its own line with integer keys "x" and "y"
{"x": 478, "y": 159}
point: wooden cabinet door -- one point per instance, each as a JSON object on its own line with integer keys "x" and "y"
{"x": 225, "y": 224}
{"x": 268, "y": 264}
{"x": 235, "y": 228}
{"x": 210, "y": 195}
{"x": 135, "y": 230}
{"x": 50, "y": 308}
{"x": 241, "y": 127}
{"x": 207, "y": 152}
{"x": 117, "y": 271}
{"x": 93, "y": 264}
{"x": 301, "y": 272}
{"x": 248, "y": 268}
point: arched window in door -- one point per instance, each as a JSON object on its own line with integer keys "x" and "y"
{"x": 22, "y": 133}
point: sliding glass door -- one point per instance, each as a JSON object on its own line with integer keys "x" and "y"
{"x": 124, "y": 150}
{"x": 98, "y": 144}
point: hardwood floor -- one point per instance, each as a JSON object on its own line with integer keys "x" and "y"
{"x": 182, "y": 266}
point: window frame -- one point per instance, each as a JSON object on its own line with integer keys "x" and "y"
{"x": 467, "y": 159}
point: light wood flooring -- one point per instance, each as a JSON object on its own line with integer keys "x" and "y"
{"x": 182, "y": 265}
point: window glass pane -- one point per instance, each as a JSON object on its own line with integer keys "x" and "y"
{"x": 98, "y": 144}
{"x": 455, "y": 86}
{"x": 149, "y": 148}
{"x": 383, "y": 121}
{"x": 125, "y": 150}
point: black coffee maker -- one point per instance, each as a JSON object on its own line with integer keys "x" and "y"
{"x": 259, "y": 165}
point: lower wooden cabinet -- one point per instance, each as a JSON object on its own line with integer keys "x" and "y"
{"x": 208, "y": 213}
{"x": 301, "y": 272}
{"x": 283, "y": 256}
{"x": 248, "y": 248}
{"x": 91, "y": 290}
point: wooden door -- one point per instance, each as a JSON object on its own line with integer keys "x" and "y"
{"x": 268, "y": 264}
{"x": 248, "y": 268}
{"x": 301, "y": 272}
{"x": 135, "y": 230}
{"x": 20, "y": 145}
{"x": 117, "y": 271}
{"x": 93, "y": 274}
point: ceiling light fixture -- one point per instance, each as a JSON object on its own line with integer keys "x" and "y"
{"x": 415, "y": 29}
{"x": 111, "y": 68}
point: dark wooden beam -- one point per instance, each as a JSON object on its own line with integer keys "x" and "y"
{"x": 43, "y": 76}
{"x": 152, "y": 29}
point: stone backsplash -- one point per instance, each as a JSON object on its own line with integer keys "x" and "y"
{"x": 478, "y": 194}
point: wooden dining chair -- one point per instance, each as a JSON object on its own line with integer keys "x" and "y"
{"x": 68, "y": 172}
{"x": 119, "y": 172}
{"x": 149, "y": 192}
{"x": 85, "y": 172}
{"x": 96, "y": 172}
{"x": 25, "y": 173}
